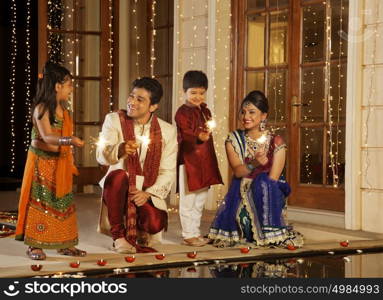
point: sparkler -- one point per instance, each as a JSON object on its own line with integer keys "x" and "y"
{"x": 262, "y": 139}
{"x": 143, "y": 140}
{"x": 211, "y": 124}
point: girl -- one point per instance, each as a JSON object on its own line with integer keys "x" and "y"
{"x": 47, "y": 216}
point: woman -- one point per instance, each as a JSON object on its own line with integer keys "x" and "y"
{"x": 252, "y": 209}
{"x": 47, "y": 215}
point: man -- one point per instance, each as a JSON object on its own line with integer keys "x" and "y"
{"x": 141, "y": 152}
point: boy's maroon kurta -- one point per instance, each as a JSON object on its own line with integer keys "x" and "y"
{"x": 198, "y": 157}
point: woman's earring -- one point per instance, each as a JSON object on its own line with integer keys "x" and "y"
{"x": 262, "y": 125}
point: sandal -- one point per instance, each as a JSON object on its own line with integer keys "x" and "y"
{"x": 71, "y": 252}
{"x": 36, "y": 253}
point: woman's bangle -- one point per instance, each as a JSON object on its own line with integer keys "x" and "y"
{"x": 65, "y": 141}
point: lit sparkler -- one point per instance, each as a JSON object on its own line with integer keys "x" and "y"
{"x": 211, "y": 124}
{"x": 143, "y": 140}
{"x": 262, "y": 139}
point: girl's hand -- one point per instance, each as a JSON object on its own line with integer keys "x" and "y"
{"x": 77, "y": 142}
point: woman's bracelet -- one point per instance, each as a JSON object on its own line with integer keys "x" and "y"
{"x": 65, "y": 141}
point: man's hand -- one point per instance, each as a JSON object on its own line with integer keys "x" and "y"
{"x": 140, "y": 197}
{"x": 127, "y": 148}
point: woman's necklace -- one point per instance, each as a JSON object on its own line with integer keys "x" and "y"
{"x": 252, "y": 143}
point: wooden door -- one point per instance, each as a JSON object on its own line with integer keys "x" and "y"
{"x": 293, "y": 51}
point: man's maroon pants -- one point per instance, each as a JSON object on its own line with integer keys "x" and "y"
{"x": 116, "y": 189}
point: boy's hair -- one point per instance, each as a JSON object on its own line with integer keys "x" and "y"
{"x": 195, "y": 79}
{"x": 46, "y": 88}
{"x": 151, "y": 85}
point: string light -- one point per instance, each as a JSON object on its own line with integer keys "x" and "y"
{"x": 153, "y": 39}
{"x": 110, "y": 64}
{"x": 221, "y": 95}
{"x": 371, "y": 96}
{"x": 137, "y": 37}
{"x": 12, "y": 80}
{"x": 28, "y": 80}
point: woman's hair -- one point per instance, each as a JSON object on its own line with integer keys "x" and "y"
{"x": 258, "y": 99}
{"x": 46, "y": 89}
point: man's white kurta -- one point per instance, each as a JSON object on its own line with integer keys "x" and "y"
{"x": 112, "y": 137}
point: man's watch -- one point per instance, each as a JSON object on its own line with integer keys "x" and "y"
{"x": 250, "y": 167}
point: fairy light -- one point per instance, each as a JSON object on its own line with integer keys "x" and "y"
{"x": 137, "y": 37}
{"x": 110, "y": 64}
{"x": 221, "y": 95}
{"x": 153, "y": 39}
{"x": 340, "y": 98}
{"x": 329, "y": 96}
{"x": 28, "y": 81}
{"x": 12, "y": 80}
{"x": 371, "y": 96}
{"x": 192, "y": 42}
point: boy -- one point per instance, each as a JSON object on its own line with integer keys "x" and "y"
{"x": 197, "y": 164}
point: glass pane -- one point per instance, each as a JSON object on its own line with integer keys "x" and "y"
{"x": 87, "y": 101}
{"x": 338, "y": 150}
{"x": 311, "y": 155}
{"x": 86, "y": 156}
{"x": 61, "y": 49}
{"x": 88, "y": 58}
{"x": 339, "y": 29}
{"x": 161, "y": 45}
{"x": 276, "y": 95}
{"x": 256, "y": 4}
{"x": 338, "y": 92}
{"x": 162, "y": 13}
{"x": 278, "y": 38}
{"x": 255, "y": 81}
{"x": 60, "y": 14}
{"x": 313, "y": 42}
{"x": 312, "y": 95}
{"x": 256, "y": 40}
{"x": 278, "y": 3}
{"x": 88, "y": 15}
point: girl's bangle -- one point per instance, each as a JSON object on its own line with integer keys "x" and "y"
{"x": 65, "y": 141}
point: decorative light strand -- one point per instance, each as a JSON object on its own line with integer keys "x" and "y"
{"x": 28, "y": 80}
{"x": 192, "y": 42}
{"x": 339, "y": 94}
{"x": 328, "y": 94}
{"x": 221, "y": 95}
{"x": 12, "y": 80}
{"x": 137, "y": 37}
{"x": 153, "y": 39}
{"x": 110, "y": 64}
{"x": 371, "y": 96}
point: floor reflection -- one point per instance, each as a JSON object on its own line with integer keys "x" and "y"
{"x": 330, "y": 266}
